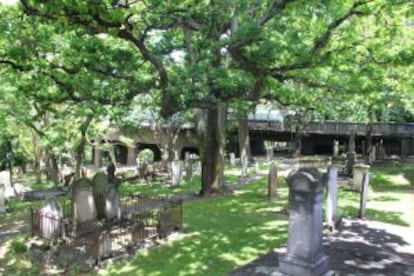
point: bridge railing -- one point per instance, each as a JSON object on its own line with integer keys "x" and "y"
{"x": 337, "y": 128}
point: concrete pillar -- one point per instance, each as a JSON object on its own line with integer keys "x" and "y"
{"x": 305, "y": 255}
{"x": 132, "y": 157}
{"x": 97, "y": 157}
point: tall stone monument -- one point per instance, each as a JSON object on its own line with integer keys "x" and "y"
{"x": 332, "y": 197}
{"x": 305, "y": 255}
{"x": 2, "y": 198}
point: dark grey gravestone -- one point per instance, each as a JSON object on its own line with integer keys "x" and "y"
{"x": 272, "y": 182}
{"x": 188, "y": 169}
{"x": 50, "y": 220}
{"x": 363, "y": 195}
{"x": 305, "y": 255}
{"x": 100, "y": 188}
{"x": 332, "y": 197}
{"x": 350, "y": 162}
{"x": 112, "y": 204}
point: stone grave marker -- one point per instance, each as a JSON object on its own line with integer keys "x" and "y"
{"x": 51, "y": 220}
{"x": 188, "y": 169}
{"x": 232, "y": 157}
{"x": 350, "y": 162}
{"x": 272, "y": 182}
{"x": 2, "y": 198}
{"x": 358, "y": 173}
{"x": 305, "y": 254}
{"x": 257, "y": 167}
{"x": 372, "y": 155}
{"x": 363, "y": 195}
{"x": 110, "y": 170}
{"x": 176, "y": 172}
{"x": 332, "y": 197}
{"x": 138, "y": 232}
{"x": 335, "y": 150}
{"x": 100, "y": 184}
{"x": 112, "y": 204}
{"x": 84, "y": 209}
{"x": 8, "y": 189}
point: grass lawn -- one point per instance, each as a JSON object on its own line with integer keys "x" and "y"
{"x": 223, "y": 233}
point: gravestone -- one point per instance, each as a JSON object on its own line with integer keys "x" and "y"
{"x": 84, "y": 209}
{"x": 335, "y": 150}
{"x": 110, "y": 170}
{"x": 272, "y": 182}
{"x": 256, "y": 167}
{"x": 381, "y": 150}
{"x": 8, "y": 188}
{"x": 188, "y": 169}
{"x": 372, "y": 155}
{"x": 112, "y": 204}
{"x": 176, "y": 172}
{"x": 332, "y": 197}
{"x": 51, "y": 220}
{"x": 359, "y": 171}
{"x": 100, "y": 184}
{"x": 138, "y": 232}
{"x": 350, "y": 162}
{"x": 245, "y": 164}
{"x": 232, "y": 157}
{"x": 305, "y": 255}
{"x": 363, "y": 195}
{"x": 2, "y": 198}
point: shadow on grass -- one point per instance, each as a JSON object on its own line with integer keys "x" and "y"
{"x": 221, "y": 234}
{"x": 372, "y": 214}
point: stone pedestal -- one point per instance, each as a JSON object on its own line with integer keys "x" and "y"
{"x": 358, "y": 171}
{"x": 305, "y": 255}
{"x": 332, "y": 197}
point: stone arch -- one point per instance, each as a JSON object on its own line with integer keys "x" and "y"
{"x": 191, "y": 150}
{"x": 153, "y": 147}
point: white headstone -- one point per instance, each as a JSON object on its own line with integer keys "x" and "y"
{"x": 8, "y": 189}
{"x": 2, "y": 198}
{"x": 332, "y": 196}
{"x": 50, "y": 220}
{"x": 176, "y": 172}
{"x": 232, "y": 158}
{"x": 112, "y": 204}
{"x": 358, "y": 171}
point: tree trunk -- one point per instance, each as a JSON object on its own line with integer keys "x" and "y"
{"x": 244, "y": 144}
{"x": 212, "y": 171}
{"x": 297, "y": 145}
{"x": 54, "y": 168}
{"x": 80, "y": 150}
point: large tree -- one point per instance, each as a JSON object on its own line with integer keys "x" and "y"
{"x": 208, "y": 53}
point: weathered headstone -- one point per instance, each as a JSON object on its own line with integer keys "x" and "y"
{"x": 257, "y": 167}
{"x": 176, "y": 172}
{"x": 372, "y": 155}
{"x": 359, "y": 171}
{"x": 2, "y": 198}
{"x": 305, "y": 254}
{"x": 232, "y": 157}
{"x": 363, "y": 195}
{"x": 335, "y": 150}
{"x": 350, "y": 162}
{"x": 244, "y": 164}
{"x": 100, "y": 184}
{"x": 351, "y": 142}
{"x": 8, "y": 188}
{"x": 112, "y": 204}
{"x": 188, "y": 169}
{"x": 51, "y": 220}
{"x": 138, "y": 232}
{"x": 272, "y": 182}
{"x": 381, "y": 150}
{"x": 332, "y": 197}
{"x": 84, "y": 209}
{"x": 110, "y": 170}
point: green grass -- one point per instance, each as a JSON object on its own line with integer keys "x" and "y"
{"x": 223, "y": 233}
